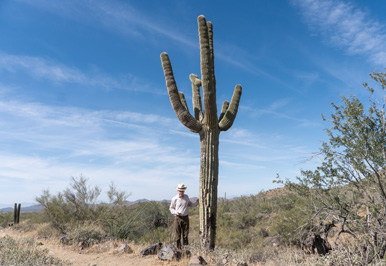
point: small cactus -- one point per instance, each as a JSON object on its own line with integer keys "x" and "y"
{"x": 16, "y": 213}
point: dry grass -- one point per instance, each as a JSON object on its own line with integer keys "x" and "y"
{"x": 25, "y": 252}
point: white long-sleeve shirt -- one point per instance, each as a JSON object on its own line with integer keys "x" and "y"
{"x": 180, "y": 205}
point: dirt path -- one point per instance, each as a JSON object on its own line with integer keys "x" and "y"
{"x": 87, "y": 257}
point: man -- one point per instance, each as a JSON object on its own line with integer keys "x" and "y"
{"x": 179, "y": 208}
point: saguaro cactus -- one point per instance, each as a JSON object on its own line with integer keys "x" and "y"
{"x": 206, "y": 123}
{"x": 16, "y": 213}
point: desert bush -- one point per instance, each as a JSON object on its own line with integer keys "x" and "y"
{"x": 75, "y": 204}
{"x": 276, "y": 214}
{"x": 348, "y": 188}
{"x": 5, "y": 218}
{"x": 46, "y": 230}
{"x": 24, "y": 252}
{"x": 146, "y": 221}
{"x": 88, "y": 234}
{"x": 33, "y": 218}
{"x": 74, "y": 210}
{"x": 78, "y": 204}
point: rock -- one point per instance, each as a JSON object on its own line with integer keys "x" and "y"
{"x": 124, "y": 248}
{"x": 106, "y": 247}
{"x": 169, "y": 253}
{"x": 196, "y": 261}
{"x": 82, "y": 245}
{"x": 151, "y": 250}
{"x": 240, "y": 264}
{"x": 64, "y": 240}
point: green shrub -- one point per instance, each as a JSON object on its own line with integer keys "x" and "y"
{"x": 24, "y": 252}
{"x": 146, "y": 221}
{"x": 88, "y": 234}
{"x": 75, "y": 204}
{"x": 46, "y": 230}
{"x": 5, "y": 218}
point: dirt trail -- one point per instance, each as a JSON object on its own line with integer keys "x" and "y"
{"x": 86, "y": 257}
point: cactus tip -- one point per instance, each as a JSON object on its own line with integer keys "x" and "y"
{"x": 192, "y": 77}
{"x": 164, "y": 56}
{"x": 201, "y": 19}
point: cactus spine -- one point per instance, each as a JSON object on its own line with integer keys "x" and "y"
{"x": 206, "y": 123}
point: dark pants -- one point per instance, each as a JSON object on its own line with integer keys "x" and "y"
{"x": 181, "y": 224}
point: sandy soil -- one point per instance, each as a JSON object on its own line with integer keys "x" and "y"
{"x": 88, "y": 257}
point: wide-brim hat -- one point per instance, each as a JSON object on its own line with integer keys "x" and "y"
{"x": 181, "y": 187}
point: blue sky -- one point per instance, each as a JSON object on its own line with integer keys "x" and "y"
{"x": 82, "y": 90}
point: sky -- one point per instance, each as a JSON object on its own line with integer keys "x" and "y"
{"x": 82, "y": 91}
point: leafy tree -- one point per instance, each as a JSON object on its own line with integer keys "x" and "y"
{"x": 348, "y": 188}
{"x": 78, "y": 204}
{"x": 77, "y": 212}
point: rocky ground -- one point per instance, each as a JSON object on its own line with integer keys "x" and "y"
{"x": 104, "y": 254}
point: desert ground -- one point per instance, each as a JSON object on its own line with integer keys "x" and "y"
{"x": 87, "y": 256}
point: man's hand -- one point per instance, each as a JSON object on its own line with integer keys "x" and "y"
{"x": 178, "y": 214}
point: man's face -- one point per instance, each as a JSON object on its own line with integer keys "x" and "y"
{"x": 181, "y": 193}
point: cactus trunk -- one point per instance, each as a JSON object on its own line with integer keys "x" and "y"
{"x": 15, "y": 214}
{"x": 209, "y": 140}
{"x": 18, "y": 213}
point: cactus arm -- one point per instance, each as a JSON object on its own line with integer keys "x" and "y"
{"x": 207, "y": 75}
{"x": 183, "y": 100}
{"x": 210, "y": 35}
{"x": 182, "y": 113}
{"x": 224, "y": 108}
{"x": 230, "y": 115}
{"x": 197, "y": 107}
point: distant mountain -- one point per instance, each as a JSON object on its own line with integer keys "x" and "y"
{"x": 34, "y": 208}
{"x": 38, "y": 207}
{"x": 137, "y": 201}
{"x": 7, "y": 209}
{"x": 23, "y": 204}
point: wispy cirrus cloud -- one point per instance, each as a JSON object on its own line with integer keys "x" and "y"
{"x": 276, "y": 109}
{"x": 126, "y": 20}
{"x": 41, "y": 68}
{"x": 22, "y": 115}
{"x": 43, "y": 146}
{"x": 346, "y": 26}
{"x": 46, "y": 69}
{"x": 116, "y": 16}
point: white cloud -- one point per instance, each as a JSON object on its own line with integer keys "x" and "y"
{"x": 115, "y": 16}
{"x": 28, "y": 176}
{"x": 125, "y": 20}
{"x": 41, "y": 68}
{"x": 46, "y": 69}
{"x": 347, "y": 27}
{"x": 43, "y": 146}
{"x": 277, "y": 109}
